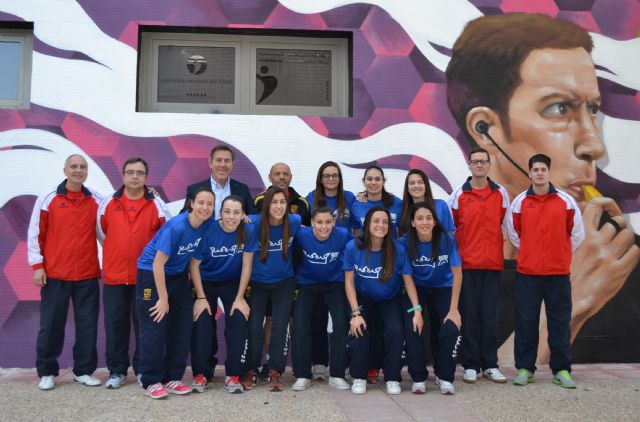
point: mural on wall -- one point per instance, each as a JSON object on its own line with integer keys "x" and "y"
{"x": 83, "y": 93}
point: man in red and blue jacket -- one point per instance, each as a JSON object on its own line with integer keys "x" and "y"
{"x": 546, "y": 227}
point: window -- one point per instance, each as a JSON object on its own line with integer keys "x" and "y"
{"x": 16, "y": 46}
{"x": 264, "y": 72}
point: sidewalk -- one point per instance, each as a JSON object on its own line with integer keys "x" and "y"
{"x": 605, "y": 392}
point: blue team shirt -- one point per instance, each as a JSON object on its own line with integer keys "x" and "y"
{"x": 322, "y": 260}
{"x": 276, "y": 268}
{"x": 221, "y": 256}
{"x": 443, "y": 213}
{"x": 367, "y": 272}
{"x": 359, "y": 211}
{"x": 178, "y": 240}
{"x": 426, "y": 272}
{"x": 348, "y": 220}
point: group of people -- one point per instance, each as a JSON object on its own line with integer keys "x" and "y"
{"x": 282, "y": 263}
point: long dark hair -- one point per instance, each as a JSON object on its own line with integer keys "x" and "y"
{"x": 388, "y": 251}
{"x": 438, "y": 230}
{"x": 241, "y": 231}
{"x": 407, "y": 200}
{"x": 195, "y": 195}
{"x": 320, "y": 196}
{"x": 387, "y": 198}
{"x": 264, "y": 225}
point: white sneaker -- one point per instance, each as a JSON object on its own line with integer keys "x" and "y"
{"x": 393, "y": 387}
{"x": 116, "y": 381}
{"x": 470, "y": 376}
{"x": 318, "y": 372}
{"x": 338, "y": 383}
{"x": 87, "y": 380}
{"x": 419, "y": 387}
{"x": 359, "y": 386}
{"x": 301, "y": 384}
{"x": 495, "y": 375}
{"x": 446, "y": 387}
{"x": 47, "y": 382}
{"x": 139, "y": 379}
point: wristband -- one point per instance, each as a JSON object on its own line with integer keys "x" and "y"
{"x": 199, "y": 298}
{"x": 415, "y": 308}
{"x": 356, "y": 309}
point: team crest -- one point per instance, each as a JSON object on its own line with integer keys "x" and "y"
{"x": 294, "y": 209}
{"x": 146, "y": 294}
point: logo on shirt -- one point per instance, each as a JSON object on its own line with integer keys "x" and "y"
{"x": 190, "y": 248}
{"x": 224, "y": 251}
{"x": 277, "y": 246}
{"x": 146, "y": 294}
{"x": 314, "y": 258}
{"x": 426, "y": 261}
{"x": 367, "y": 272}
{"x": 64, "y": 205}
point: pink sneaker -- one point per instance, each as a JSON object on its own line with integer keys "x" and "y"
{"x": 199, "y": 383}
{"x": 177, "y": 387}
{"x": 156, "y": 391}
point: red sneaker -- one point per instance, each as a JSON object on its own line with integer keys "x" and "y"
{"x": 372, "y": 376}
{"x": 249, "y": 380}
{"x": 156, "y": 391}
{"x": 232, "y": 385}
{"x": 177, "y": 387}
{"x": 199, "y": 383}
{"x": 274, "y": 383}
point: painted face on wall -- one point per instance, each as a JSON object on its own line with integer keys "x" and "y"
{"x": 553, "y": 112}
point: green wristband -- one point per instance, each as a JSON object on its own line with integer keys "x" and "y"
{"x": 415, "y": 308}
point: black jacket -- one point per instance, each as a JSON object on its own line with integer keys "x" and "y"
{"x": 237, "y": 188}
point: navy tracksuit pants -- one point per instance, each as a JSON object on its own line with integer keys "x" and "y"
{"x": 331, "y": 296}
{"x": 281, "y": 294}
{"x": 480, "y": 304}
{"x": 319, "y": 335}
{"x": 444, "y": 337}
{"x": 120, "y": 315}
{"x": 164, "y": 345}
{"x": 390, "y": 312}
{"x": 528, "y": 294}
{"x": 236, "y": 330}
{"x": 54, "y": 306}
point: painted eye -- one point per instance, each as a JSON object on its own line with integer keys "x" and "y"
{"x": 557, "y": 109}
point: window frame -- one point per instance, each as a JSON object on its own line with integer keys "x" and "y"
{"x": 25, "y": 38}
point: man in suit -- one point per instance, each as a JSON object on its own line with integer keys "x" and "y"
{"x": 221, "y": 162}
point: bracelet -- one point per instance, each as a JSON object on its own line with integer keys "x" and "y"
{"x": 199, "y": 298}
{"x": 415, "y": 308}
{"x": 356, "y": 309}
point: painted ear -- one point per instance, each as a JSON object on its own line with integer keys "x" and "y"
{"x": 482, "y": 121}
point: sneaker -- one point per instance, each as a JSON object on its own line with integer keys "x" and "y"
{"x": 446, "y": 387}
{"x": 419, "y": 387}
{"x": 338, "y": 383}
{"x": 249, "y": 380}
{"x": 372, "y": 376}
{"x": 87, "y": 380}
{"x": 199, "y": 384}
{"x": 232, "y": 385}
{"x": 393, "y": 387}
{"x": 47, "y": 382}
{"x": 494, "y": 375}
{"x": 139, "y": 379}
{"x": 274, "y": 383}
{"x": 301, "y": 384}
{"x": 264, "y": 372}
{"x": 563, "y": 379}
{"x": 177, "y": 387}
{"x": 359, "y": 386}
{"x": 318, "y": 372}
{"x": 524, "y": 377}
{"x": 470, "y": 376}
{"x": 156, "y": 391}
{"x": 116, "y": 381}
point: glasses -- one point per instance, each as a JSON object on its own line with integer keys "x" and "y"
{"x": 138, "y": 173}
{"x": 335, "y": 176}
{"x": 481, "y": 162}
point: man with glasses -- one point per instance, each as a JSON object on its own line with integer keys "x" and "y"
{"x": 480, "y": 208}
{"x": 127, "y": 220}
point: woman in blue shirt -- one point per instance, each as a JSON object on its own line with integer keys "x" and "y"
{"x": 320, "y": 278}
{"x": 162, "y": 285}
{"x": 272, "y": 277}
{"x": 437, "y": 274}
{"x": 375, "y": 195}
{"x": 224, "y": 261}
{"x": 417, "y": 188}
{"x": 375, "y": 267}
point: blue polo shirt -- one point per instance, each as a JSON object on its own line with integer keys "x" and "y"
{"x": 430, "y": 273}
{"x": 221, "y": 255}
{"x": 359, "y": 211}
{"x": 367, "y": 268}
{"x": 178, "y": 240}
{"x": 276, "y": 268}
{"x": 347, "y": 220}
{"x": 322, "y": 260}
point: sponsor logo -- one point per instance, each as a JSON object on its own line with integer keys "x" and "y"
{"x": 190, "y": 248}
{"x": 367, "y": 272}
{"x": 314, "y": 258}
{"x": 426, "y": 261}
{"x": 146, "y": 294}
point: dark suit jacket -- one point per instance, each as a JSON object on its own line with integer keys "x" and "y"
{"x": 237, "y": 188}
